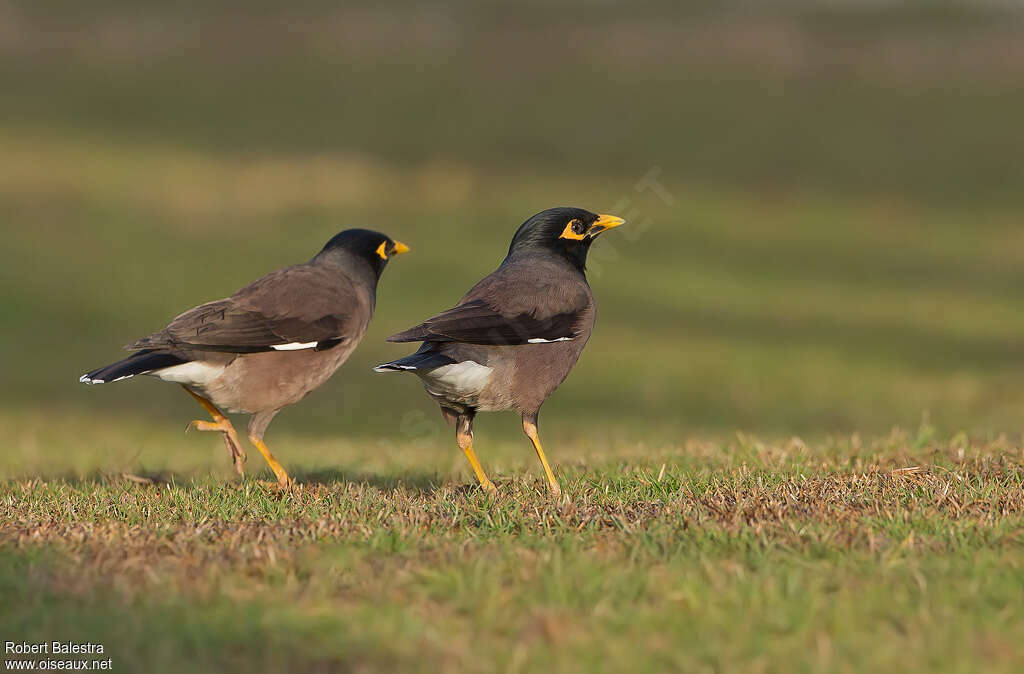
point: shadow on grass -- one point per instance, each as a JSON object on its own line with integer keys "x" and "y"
{"x": 416, "y": 482}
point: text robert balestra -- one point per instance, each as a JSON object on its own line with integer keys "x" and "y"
{"x": 52, "y": 648}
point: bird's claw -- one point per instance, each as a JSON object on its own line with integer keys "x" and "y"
{"x": 237, "y": 454}
{"x": 280, "y": 485}
{"x": 198, "y": 425}
{"x": 235, "y": 451}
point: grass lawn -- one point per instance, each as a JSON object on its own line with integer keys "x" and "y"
{"x": 904, "y": 553}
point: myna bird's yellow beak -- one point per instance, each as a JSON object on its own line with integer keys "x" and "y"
{"x": 604, "y": 223}
{"x": 398, "y": 249}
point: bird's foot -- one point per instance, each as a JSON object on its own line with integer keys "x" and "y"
{"x": 283, "y": 481}
{"x": 234, "y": 447}
{"x": 237, "y": 454}
{"x": 198, "y": 425}
{"x": 279, "y": 485}
{"x": 488, "y": 487}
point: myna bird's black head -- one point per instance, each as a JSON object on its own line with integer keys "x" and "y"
{"x": 372, "y": 247}
{"x": 568, "y": 232}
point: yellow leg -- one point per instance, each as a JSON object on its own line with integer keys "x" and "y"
{"x": 221, "y": 424}
{"x": 283, "y": 480}
{"x": 466, "y": 443}
{"x": 530, "y": 427}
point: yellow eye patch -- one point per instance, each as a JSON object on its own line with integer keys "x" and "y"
{"x": 574, "y": 230}
{"x": 382, "y": 251}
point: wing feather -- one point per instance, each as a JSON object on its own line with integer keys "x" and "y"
{"x": 511, "y": 306}
{"x": 297, "y": 305}
{"x": 476, "y": 322}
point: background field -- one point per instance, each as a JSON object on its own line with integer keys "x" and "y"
{"x": 793, "y": 443}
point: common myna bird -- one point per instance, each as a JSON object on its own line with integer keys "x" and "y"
{"x": 516, "y": 335}
{"x": 271, "y": 343}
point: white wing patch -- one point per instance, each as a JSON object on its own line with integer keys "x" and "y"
{"x": 538, "y": 340}
{"x": 295, "y": 346}
{"x": 194, "y": 373}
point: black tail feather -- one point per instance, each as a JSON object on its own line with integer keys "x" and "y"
{"x": 421, "y": 360}
{"x": 139, "y": 363}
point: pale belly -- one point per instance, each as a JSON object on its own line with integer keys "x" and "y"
{"x": 467, "y": 385}
{"x": 260, "y": 382}
{"x": 508, "y": 378}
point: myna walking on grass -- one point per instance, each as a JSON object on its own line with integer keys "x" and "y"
{"x": 516, "y": 335}
{"x": 271, "y": 343}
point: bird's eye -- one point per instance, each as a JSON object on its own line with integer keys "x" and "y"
{"x": 578, "y": 227}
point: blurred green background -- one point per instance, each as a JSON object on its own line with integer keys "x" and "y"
{"x": 834, "y": 244}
